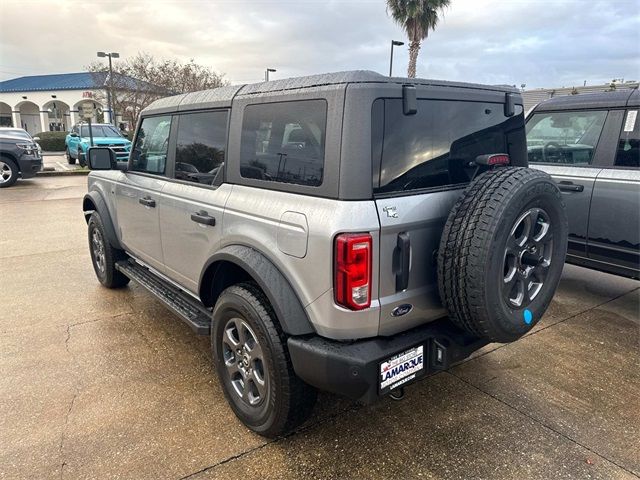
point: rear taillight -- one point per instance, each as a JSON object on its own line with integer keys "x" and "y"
{"x": 493, "y": 159}
{"x": 353, "y": 270}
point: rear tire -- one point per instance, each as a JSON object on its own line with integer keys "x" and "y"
{"x": 104, "y": 256}
{"x": 251, "y": 358}
{"x": 8, "y": 172}
{"x": 502, "y": 252}
{"x": 81, "y": 158}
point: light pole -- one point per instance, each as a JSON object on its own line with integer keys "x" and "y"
{"x": 394, "y": 43}
{"x": 111, "y": 55}
{"x": 266, "y": 73}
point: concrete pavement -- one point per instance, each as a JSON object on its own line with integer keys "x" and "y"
{"x": 109, "y": 384}
{"x": 57, "y": 162}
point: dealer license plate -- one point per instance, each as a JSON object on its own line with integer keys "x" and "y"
{"x": 401, "y": 369}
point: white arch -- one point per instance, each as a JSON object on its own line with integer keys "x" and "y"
{"x": 58, "y": 115}
{"x": 96, "y": 118}
{"x": 6, "y": 119}
{"x": 29, "y": 117}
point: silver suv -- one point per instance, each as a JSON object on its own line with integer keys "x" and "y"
{"x": 346, "y": 232}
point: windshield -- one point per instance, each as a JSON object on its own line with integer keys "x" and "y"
{"x": 99, "y": 131}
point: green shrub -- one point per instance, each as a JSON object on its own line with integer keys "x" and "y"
{"x": 52, "y": 141}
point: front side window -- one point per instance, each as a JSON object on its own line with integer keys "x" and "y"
{"x": 568, "y": 138}
{"x": 150, "y": 151}
{"x": 437, "y": 146}
{"x": 284, "y": 142}
{"x": 628, "y": 154}
{"x": 200, "y": 147}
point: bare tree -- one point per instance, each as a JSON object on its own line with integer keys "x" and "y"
{"x": 140, "y": 80}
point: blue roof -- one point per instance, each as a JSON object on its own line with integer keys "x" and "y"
{"x": 68, "y": 81}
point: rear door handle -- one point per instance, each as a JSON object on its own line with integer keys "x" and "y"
{"x": 203, "y": 218}
{"x": 570, "y": 187}
{"x": 148, "y": 202}
{"x": 402, "y": 261}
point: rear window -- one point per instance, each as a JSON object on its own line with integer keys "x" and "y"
{"x": 434, "y": 147}
{"x": 284, "y": 142}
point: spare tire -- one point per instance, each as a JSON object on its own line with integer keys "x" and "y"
{"x": 502, "y": 252}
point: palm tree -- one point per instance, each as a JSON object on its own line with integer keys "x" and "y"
{"x": 417, "y": 18}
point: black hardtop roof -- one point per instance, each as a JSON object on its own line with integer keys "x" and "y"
{"x": 223, "y": 96}
{"x": 614, "y": 99}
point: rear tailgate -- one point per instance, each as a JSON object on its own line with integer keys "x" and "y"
{"x": 424, "y": 164}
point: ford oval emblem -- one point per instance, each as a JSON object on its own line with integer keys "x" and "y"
{"x": 402, "y": 310}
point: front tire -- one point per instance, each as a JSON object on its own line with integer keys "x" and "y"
{"x": 81, "y": 158}
{"x": 70, "y": 159}
{"x": 252, "y": 361}
{"x": 8, "y": 172}
{"x": 104, "y": 256}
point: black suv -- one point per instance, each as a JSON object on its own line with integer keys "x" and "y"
{"x": 590, "y": 145}
{"x": 19, "y": 157}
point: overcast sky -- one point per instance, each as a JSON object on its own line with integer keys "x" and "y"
{"x": 543, "y": 43}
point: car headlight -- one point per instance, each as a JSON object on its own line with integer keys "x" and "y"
{"x": 29, "y": 148}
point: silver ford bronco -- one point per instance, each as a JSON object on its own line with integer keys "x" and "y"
{"x": 346, "y": 232}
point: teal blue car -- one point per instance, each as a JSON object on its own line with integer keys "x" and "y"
{"x": 104, "y": 135}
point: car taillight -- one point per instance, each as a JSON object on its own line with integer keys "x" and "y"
{"x": 353, "y": 270}
{"x": 493, "y": 159}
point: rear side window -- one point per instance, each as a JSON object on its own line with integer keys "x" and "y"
{"x": 200, "y": 146}
{"x": 567, "y": 138}
{"x": 628, "y": 154}
{"x": 152, "y": 141}
{"x": 435, "y": 147}
{"x": 284, "y": 142}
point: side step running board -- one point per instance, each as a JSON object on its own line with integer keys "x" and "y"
{"x": 186, "y": 307}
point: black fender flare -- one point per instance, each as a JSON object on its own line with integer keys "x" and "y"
{"x": 284, "y": 300}
{"x": 95, "y": 198}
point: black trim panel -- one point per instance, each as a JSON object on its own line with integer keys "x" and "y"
{"x": 283, "y": 299}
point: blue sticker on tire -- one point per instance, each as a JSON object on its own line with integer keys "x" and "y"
{"x": 528, "y": 316}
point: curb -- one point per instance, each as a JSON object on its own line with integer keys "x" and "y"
{"x": 56, "y": 173}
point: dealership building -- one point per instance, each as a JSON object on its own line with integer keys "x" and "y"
{"x": 43, "y": 103}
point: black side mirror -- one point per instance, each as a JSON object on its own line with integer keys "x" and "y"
{"x": 73, "y": 134}
{"x": 102, "y": 158}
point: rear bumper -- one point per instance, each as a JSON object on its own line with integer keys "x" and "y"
{"x": 29, "y": 165}
{"x": 354, "y": 369}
